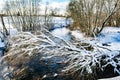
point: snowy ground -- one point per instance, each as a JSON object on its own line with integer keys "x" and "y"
{"x": 110, "y": 38}
{"x": 114, "y": 78}
{"x": 67, "y": 34}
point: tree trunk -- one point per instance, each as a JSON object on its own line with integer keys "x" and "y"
{"x": 108, "y": 17}
{"x": 4, "y": 28}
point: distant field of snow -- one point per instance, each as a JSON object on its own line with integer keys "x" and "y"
{"x": 111, "y": 29}
{"x": 109, "y": 37}
{"x": 62, "y": 21}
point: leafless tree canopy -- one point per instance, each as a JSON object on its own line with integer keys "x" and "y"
{"x": 88, "y": 15}
{"x": 26, "y": 15}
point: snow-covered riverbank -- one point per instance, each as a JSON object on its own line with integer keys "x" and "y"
{"x": 70, "y": 50}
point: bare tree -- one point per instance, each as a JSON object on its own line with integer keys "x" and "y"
{"x": 5, "y": 31}
{"x": 23, "y": 13}
{"x": 90, "y": 16}
{"x": 115, "y": 19}
{"x": 47, "y": 15}
{"x": 112, "y": 11}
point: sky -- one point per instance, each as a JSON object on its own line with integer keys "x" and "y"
{"x": 1, "y": 4}
{"x": 59, "y": 5}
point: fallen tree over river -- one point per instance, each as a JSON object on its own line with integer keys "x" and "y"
{"x": 43, "y": 56}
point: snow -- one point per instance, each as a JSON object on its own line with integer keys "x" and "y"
{"x": 2, "y": 44}
{"x": 59, "y": 20}
{"x": 111, "y": 37}
{"x": 62, "y": 33}
{"x": 12, "y": 32}
{"x": 111, "y": 29}
{"x": 108, "y": 43}
{"x": 44, "y": 76}
{"x": 11, "y": 29}
{"x": 114, "y": 78}
{"x": 77, "y": 34}
{"x": 55, "y": 74}
{"x": 1, "y": 41}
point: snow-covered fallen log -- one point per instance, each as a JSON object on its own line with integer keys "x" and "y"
{"x": 29, "y": 55}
